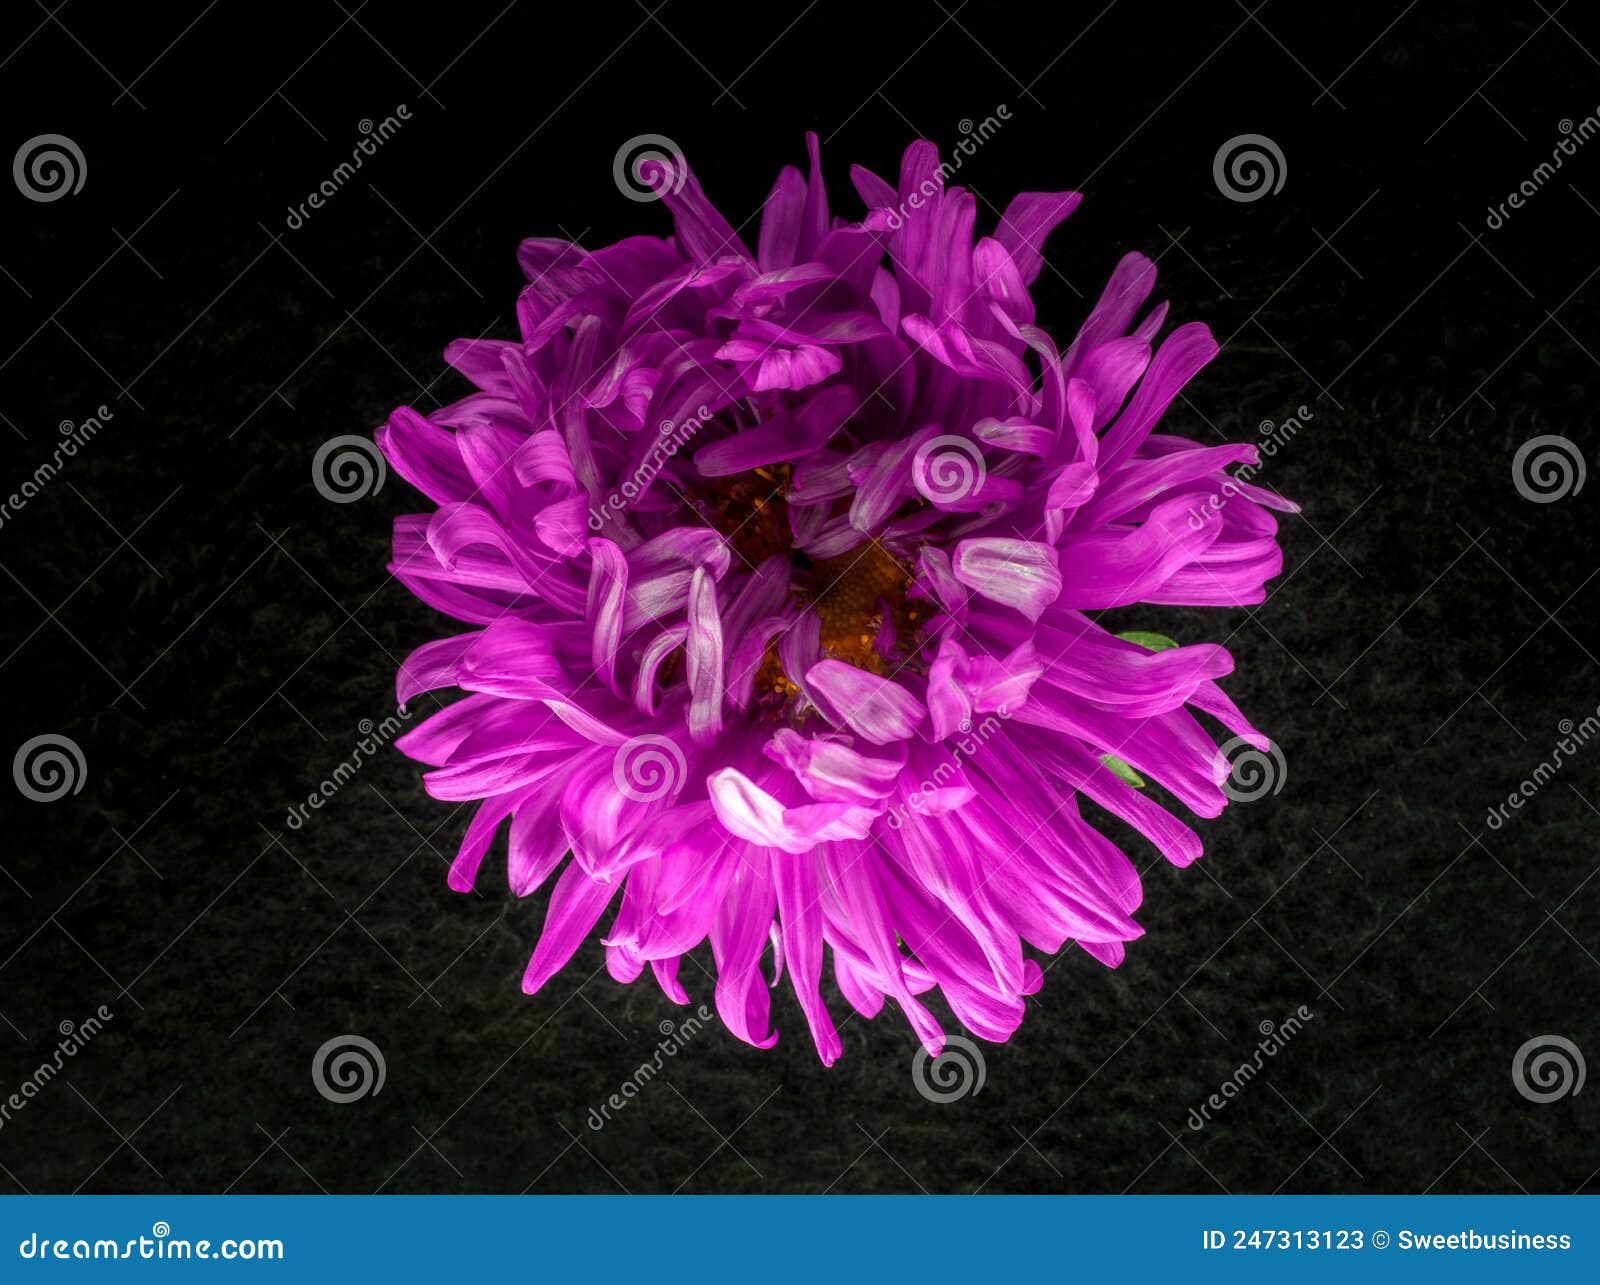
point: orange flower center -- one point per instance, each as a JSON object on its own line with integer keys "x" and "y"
{"x": 859, "y": 596}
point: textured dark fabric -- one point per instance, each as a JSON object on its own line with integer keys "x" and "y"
{"x": 185, "y": 606}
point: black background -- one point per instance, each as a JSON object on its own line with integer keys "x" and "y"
{"x": 185, "y": 606}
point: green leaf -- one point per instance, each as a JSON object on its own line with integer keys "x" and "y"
{"x": 1123, "y": 771}
{"x": 1149, "y": 641}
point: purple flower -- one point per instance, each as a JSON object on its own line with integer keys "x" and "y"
{"x": 778, "y": 565}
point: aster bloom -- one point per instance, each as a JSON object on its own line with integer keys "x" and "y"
{"x": 777, "y": 565}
